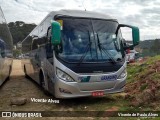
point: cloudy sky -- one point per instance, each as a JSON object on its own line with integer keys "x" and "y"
{"x": 142, "y": 13}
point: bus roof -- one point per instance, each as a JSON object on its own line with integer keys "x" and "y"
{"x": 80, "y": 13}
{"x": 77, "y": 13}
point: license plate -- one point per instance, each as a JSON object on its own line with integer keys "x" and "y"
{"x": 98, "y": 93}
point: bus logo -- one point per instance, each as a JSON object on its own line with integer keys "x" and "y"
{"x": 109, "y": 78}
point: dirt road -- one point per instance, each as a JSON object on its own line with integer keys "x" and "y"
{"x": 18, "y": 86}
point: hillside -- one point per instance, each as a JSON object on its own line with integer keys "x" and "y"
{"x": 145, "y": 44}
{"x": 20, "y": 30}
{"x": 143, "y": 83}
{"x": 148, "y": 47}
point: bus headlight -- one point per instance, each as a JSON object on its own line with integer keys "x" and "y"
{"x": 123, "y": 74}
{"x": 64, "y": 76}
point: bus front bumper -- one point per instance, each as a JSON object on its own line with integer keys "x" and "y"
{"x": 72, "y": 89}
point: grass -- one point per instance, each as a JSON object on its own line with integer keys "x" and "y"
{"x": 143, "y": 87}
{"x": 139, "y": 74}
{"x": 93, "y": 103}
{"x": 136, "y": 70}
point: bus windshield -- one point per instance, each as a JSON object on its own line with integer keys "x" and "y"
{"x": 90, "y": 40}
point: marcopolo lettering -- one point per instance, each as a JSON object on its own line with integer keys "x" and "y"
{"x": 111, "y": 77}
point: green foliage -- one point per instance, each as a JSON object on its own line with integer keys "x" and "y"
{"x": 149, "y": 48}
{"x": 147, "y": 52}
{"x": 156, "y": 47}
{"x": 142, "y": 70}
{"x": 153, "y": 60}
{"x": 143, "y": 87}
{"x": 16, "y": 52}
{"x": 20, "y": 30}
{"x": 134, "y": 71}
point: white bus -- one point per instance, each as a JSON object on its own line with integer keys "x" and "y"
{"x": 74, "y": 53}
{"x": 6, "y": 45}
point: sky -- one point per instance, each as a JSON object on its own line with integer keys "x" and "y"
{"x": 144, "y": 14}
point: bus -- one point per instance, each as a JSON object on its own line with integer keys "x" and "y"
{"x": 74, "y": 53}
{"x": 6, "y": 45}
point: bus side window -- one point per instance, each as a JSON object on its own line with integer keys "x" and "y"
{"x": 2, "y": 48}
{"x": 3, "y": 53}
{"x": 48, "y": 46}
{"x": 34, "y": 44}
{"x": 49, "y": 34}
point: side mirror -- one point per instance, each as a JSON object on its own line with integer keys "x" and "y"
{"x": 135, "y": 33}
{"x": 56, "y": 33}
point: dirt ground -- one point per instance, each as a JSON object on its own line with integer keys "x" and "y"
{"x": 18, "y": 86}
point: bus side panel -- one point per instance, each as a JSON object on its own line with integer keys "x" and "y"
{"x": 7, "y": 66}
{"x": 39, "y": 50}
{"x": 38, "y": 54}
{"x": 31, "y": 64}
{"x": 50, "y": 75}
{"x": 6, "y": 46}
{"x": 26, "y": 50}
{"x": 1, "y": 71}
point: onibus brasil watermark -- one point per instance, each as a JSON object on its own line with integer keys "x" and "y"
{"x": 42, "y": 100}
{"x": 21, "y": 114}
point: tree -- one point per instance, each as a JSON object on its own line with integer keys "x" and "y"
{"x": 16, "y": 52}
{"x": 20, "y": 30}
{"x": 156, "y": 46}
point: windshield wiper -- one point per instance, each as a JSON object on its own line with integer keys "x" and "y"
{"x": 101, "y": 48}
{"x": 90, "y": 45}
{"x": 86, "y": 51}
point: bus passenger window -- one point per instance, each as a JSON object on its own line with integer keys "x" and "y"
{"x": 2, "y": 48}
{"x": 49, "y": 34}
{"x": 48, "y": 46}
{"x": 49, "y": 50}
